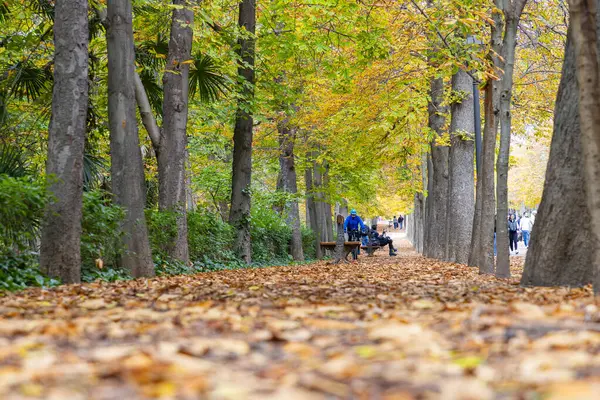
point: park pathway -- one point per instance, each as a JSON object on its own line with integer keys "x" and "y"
{"x": 380, "y": 328}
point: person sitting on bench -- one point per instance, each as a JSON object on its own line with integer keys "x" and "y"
{"x": 382, "y": 240}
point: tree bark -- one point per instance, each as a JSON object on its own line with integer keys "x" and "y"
{"x": 438, "y": 194}
{"x": 60, "y": 255}
{"x": 289, "y": 185}
{"x": 585, "y": 37}
{"x": 512, "y": 13}
{"x": 172, "y": 153}
{"x": 482, "y": 253}
{"x": 327, "y": 206}
{"x": 558, "y": 255}
{"x": 127, "y": 171}
{"x": 312, "y": 211}
{"x": 239, "y": 215}
{"x": 483, "y": 244}
{"x": 340, "y": 240}
{"x": 461, "y": 205}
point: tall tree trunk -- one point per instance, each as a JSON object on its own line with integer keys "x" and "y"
{"x": 60, "y": 255}
{"x": 558, "y": 255}
{"x": 509, "y": 42}
{"x": 427, "y": 234}
{"x": 127, "y": 171}
{"x": 438, "y": 194}
{"x": 461, "y": 205}
{"x": 485, "y": 250}
{"x": 319, "y": 199}
{"x": 311, "y": 209}
{"x": 239, "y": 215}
{"x": 585, "y": 37}
{"x": 482, "y": 253}
{"x": 417, "y": 225}
{"x": 289, "y": 185}
{"x": 327, "y": 206}
{"x": 172, "y": 153}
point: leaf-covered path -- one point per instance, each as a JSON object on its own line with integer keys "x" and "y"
{"x": 382, "y": 328}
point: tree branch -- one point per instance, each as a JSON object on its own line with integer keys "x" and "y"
{"x": 148, "y": 118}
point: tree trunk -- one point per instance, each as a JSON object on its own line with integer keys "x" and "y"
{"x": 312, "y": 211}
{"x": 461, "y": 205}
{"x": 172, "y": 154}
{"x": 289, "y": 185}
{"x": 438, "y": 194}
{"x": 327, "y": 206}
{"x": 509, "y": 42}
{"x": 585, "y": 37}
{"x": 60, "y": 255}
{"x": 488, "y": 199}
{"x": 339, "y": 242}
{"x": 319, "y": 204}
{"x": 417, "y": 235}
{"x": 475, "y": 255}
{"x": 427, "y": 234}
{"x": 239, "y": 215}
{"x": 558, "y": 255}
{"x": 127, "y": 171}
{"x": 189, "y": 193}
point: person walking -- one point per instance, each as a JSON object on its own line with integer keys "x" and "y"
{"x": 513, "y": 229}
{"x": 401, "y": 221}
{"x": 395, "y": 221}
{"x": 526, "y": 225}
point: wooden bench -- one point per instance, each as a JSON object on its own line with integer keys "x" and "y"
{"x": 348, "y": 247}
{"x": 371, "y": 249}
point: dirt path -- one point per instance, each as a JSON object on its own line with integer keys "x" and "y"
{"x": 381, "y": 328}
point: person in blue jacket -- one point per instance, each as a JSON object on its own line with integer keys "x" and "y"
{"x": 353, "y": 226}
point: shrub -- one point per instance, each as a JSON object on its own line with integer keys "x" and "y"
{"x": 270, "y": 236}
{"x": 19, "y": 271}
{"x": 308, "y": 243}
{"x": 209, "y": 238}
{"x": 101, "y": 230}
{"x": 162, "y": 231}
{"x": 22, "y": 202}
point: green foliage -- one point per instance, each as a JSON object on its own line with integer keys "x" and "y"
{"x": 308, "y": 244}
{"x": 205, "y": 78}
{"x": 104, "y": 274}
{"x": 270, "y": 235}
{"x": 22, "y": 203}
{"x": 101, "y": 230}
{"x": 209, "y": 237}
{"x": 19, "y": 271}
{"x": 162, "y": 230}
{"x": 93, "y": 168}
{"x": 11, "y": 161}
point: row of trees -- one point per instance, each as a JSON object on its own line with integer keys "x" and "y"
{"x": 151, "y": 81}
{"x": 462, "y": 209}
{"x": 60, "y": 240}
{"x": 564, "y": 247}
{"x": 303, "y": 109}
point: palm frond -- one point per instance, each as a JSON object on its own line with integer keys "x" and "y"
{"x": 152, "y": 54}
{"x": 11, "y": 161}
{"x": 206, "y": 79}
{"x": 28, "y": 80}
{"x": 44, "y": 8}
{"x": 4, "y": 10}
{"x": 93, "y": 167}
